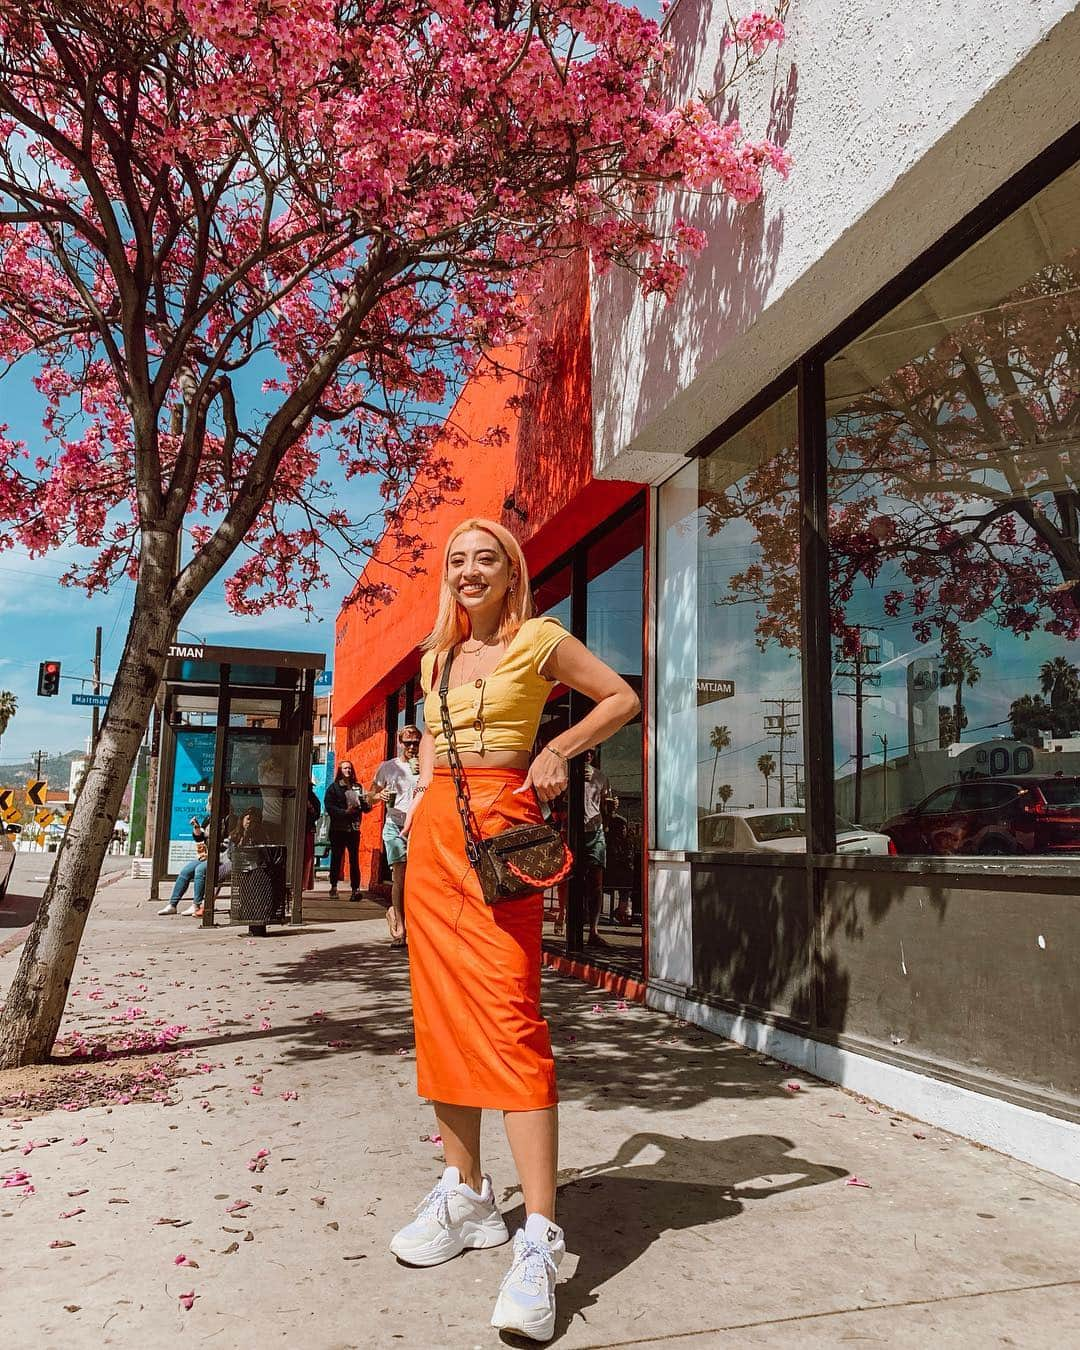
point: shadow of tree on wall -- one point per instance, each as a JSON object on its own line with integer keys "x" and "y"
{"x": 656, "y": 350}
{"x": 971, "y": 971}
{"x": 761, "y": 946}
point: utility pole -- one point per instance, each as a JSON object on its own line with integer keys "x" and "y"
{"x": 37, "y": 762}
{"x": 97, "y": 688}
{"x": 883, "y": 737}
{"x": 782, "y": 724}
{"x": 861, "y": 670}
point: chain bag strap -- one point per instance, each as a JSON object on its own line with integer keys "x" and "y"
{"x": 516, "y": 862}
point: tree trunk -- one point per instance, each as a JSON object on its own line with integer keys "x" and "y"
{"x": 35, "y": 1004}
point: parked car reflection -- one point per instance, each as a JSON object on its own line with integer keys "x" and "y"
{"x": 993, "y": 817}
{"x": 780, "y": 830}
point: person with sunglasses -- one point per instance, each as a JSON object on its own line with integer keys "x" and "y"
{"x": 394, "y": 783}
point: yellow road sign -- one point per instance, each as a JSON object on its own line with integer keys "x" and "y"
{"x": 36, "y": 791}
{"x": 13, "y": 815}
{"x": 7, "y": 800}
{"x": 65, "y": 819}
{"x": 44, "y": 817}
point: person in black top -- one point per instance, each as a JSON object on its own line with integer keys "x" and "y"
{"x": 311, "y": 823}
{"x": 345, "y": 804}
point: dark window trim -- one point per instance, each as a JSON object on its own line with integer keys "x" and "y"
{"x": 807, "y": 378}
{"x": 575, "y": 563}
{"x": 773, "y": 392}
{"x": 566, "y": 560}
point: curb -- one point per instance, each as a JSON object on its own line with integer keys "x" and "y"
{"x": 21, "y": 934}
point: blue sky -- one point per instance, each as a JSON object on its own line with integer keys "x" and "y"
{"x": 42, "y": 620}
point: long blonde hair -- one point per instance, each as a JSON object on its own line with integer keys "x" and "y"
{"x": 452, "y": 623}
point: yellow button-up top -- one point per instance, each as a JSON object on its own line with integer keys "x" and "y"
{"x": 500, "y": 711}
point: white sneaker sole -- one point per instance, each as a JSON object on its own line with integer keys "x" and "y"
{"x": 507, "y": 1317}
{"x": 491, "y": 1232}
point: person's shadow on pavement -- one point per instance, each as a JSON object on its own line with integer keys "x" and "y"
{"x": 614, "y": 1212}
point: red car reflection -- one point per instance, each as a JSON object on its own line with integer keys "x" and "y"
{"x": 993, "y": 817}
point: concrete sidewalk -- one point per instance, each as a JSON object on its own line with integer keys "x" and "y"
{"x": 706, "y": 1202}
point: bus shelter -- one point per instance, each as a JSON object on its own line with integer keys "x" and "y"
{"x": 235, "y": 757}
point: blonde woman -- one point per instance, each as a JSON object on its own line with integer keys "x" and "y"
{"x": 481, "y": 1041}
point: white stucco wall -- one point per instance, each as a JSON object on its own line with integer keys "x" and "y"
{"x": 903, "y": 117}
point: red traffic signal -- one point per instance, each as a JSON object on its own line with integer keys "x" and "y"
{"x": 48, "y": 680}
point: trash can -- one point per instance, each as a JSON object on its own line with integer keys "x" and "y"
{"x": 259, "y": 889}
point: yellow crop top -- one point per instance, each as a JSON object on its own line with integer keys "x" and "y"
{"x": 500, "y": 711}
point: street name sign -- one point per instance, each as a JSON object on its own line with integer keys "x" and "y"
{"x": 709, "y": 691}
{"x": 90, "y": 700}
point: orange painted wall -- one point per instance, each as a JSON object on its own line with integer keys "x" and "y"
{"x": 545, "y": 466}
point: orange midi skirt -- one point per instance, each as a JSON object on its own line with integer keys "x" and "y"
{"x": 474, "y": 967}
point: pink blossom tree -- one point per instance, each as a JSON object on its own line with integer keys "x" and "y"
{"x": 346, "y": 205}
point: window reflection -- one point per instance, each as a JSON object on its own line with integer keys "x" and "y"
{"x": 729, "y": 703}
{"x": 612, "y": 839}
{"x": 954, "y": 462}
{"x": 600, "y": 908}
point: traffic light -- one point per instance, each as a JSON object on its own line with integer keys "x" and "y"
{"x": 48, "y": 680}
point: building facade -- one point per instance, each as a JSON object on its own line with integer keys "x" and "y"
{"x": 840, "y": 477}
{"x": 584, "y": 540}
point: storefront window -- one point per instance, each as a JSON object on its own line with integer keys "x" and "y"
{"x": 599, "y": 595}
{"x": 728, "y": 699}
{"x": 551, "y": 596}
{"x": 954, "y": 489}
{"x": 611, "y": 840}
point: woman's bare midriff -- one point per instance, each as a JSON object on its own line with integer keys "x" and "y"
{"x": 491, "y": 759}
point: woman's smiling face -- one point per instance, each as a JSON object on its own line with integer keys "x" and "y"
{"x": 478, "y": 572}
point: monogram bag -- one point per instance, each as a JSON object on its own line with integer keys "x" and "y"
{"x": 516, "y": 862}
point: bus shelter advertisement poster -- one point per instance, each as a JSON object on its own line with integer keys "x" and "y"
{"x": 192, "y": 777}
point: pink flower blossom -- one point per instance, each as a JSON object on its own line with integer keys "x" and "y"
{"x": 758, "y": 30}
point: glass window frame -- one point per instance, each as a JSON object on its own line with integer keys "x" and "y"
{"x": 807, "y": 377}
{"x": 578, "y": 563}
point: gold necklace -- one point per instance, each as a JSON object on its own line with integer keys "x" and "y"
{"x": 486, "y": 642}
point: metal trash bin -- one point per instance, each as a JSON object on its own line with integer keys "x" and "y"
{"x": 259, "y": 889}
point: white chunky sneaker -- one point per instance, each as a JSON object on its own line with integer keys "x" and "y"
{"x": 167, "y": 909}
{"x": 189, "y": 911}
{"x": 448, "y": 1220}
{"x": 526, "y": 1302}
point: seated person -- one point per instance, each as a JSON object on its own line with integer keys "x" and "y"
{"x": 194, "y": 871}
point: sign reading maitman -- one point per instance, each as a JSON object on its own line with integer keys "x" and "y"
{"x": 709, "y": 691}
